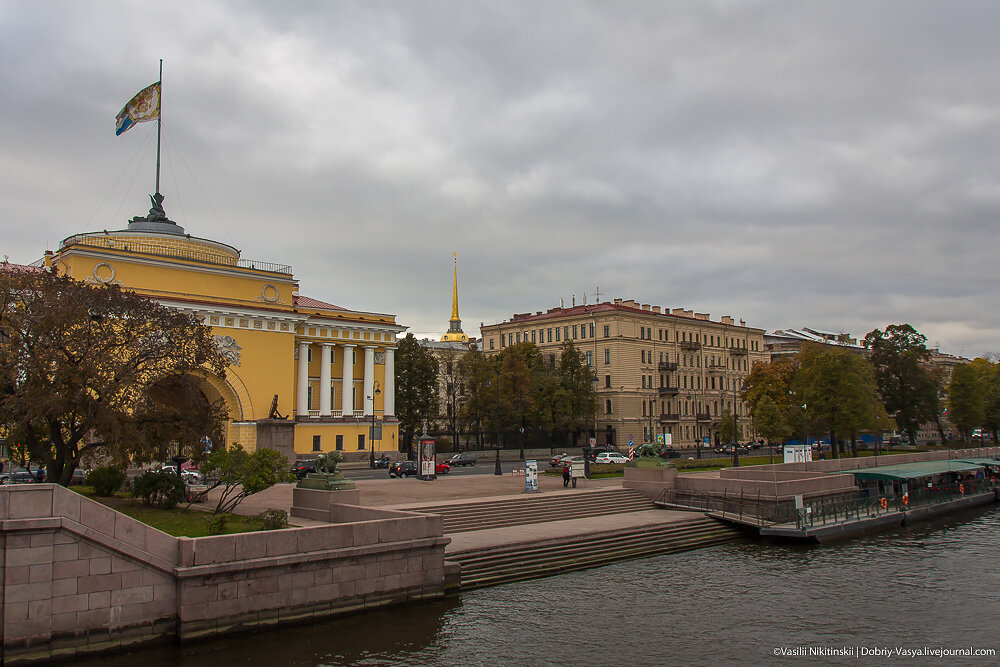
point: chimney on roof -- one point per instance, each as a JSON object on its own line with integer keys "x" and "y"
{"x": 679, "y": 312}
{"x": 703, "y": 316}
{"x": 618, "y": 302}
{"x": 645, "y": 306}
{"x": 727, "y": 319}
{"x": 630, "y": 303}
{"x": 656, "y": 309}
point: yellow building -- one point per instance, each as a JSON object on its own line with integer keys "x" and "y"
{"x": 304, "y": 377}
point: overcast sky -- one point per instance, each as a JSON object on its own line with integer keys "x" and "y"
{"x": 832, "y": 165}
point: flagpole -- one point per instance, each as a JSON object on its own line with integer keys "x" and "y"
{"x": 159, "y": 120}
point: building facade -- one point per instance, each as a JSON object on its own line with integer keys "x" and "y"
{"x": 305, "y": 376}
{"x": 657, "y": 372}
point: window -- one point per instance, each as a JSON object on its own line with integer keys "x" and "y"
{"x": 607, "y": 382}
{"x": 309, "y": 397}
{"x": 361, "y": 441}
{"x": 491, "y": 343}
{"x": 557, "y": 334}
{"x": 642, "y": 355}
{"x": 607, "y": 331}
{"x": 532, "y": 335}
{"x": 644, "y": 407}
{"x": 607, "y": 355}
{"x": 316, "y": 443}
{"x": 644, "y": 386}
{"x": 518, "y": 336}
{"x": 340, "y": 443}
{"x": 309, "y": 354}
{"x": 607, "y": 407}
{"x": 503, "y": 340}
{"x": 574, "y": 332}
{"x": 550, "y": 335}
{"x": 591, "y": 329}
{"x": 590, "y": 357}
{"x": 566, "y": 333}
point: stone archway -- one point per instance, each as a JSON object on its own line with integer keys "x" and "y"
{"x": 202, "y": 388}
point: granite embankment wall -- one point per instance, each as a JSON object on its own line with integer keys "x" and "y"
{"x": 76, "y": 576}
{"x": 780, "y": 481}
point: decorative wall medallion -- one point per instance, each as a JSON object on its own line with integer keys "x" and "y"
{"x": 215, "y": 320}
{"x": 229, "y": 348}
{"x": 104, "y": 273}
{"x": 284, "y": 326}
{"x": 270, "y": 326}
{"x": 229, "y": 321}
{"x": 244, "y": 323}
{"x": 269, "y": 294}
{"x": 257, "y": 324}
{"x": 379, "y": 357}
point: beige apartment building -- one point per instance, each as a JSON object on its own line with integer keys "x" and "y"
{"x": 657, "y": 371}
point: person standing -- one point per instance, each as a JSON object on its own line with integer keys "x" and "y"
{"x": 566, "y": 475}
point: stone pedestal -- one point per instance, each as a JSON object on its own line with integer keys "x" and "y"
{"x": 316, "y": 504}
{"x": 277, "y": 434}
{"x": 325, "y": 482}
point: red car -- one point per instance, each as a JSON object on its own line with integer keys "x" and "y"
{"x": 442, "y": 468}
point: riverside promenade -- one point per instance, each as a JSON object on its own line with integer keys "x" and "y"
{"x": 499, "y": 533}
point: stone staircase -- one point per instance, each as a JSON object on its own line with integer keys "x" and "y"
{"x": 518, "y": 562}
{"x": 463, "y": 517}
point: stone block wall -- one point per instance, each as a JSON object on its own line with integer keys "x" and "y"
{"x": 76, "y": 576}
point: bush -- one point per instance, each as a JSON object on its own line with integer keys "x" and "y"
{"x": 106, "y": 480}
{"x": 159, "y": 488}
{"x": 216, "y": 523}
{"x": 273, "y": 519}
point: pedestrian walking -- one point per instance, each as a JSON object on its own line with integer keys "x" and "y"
{"x": 566, "y": 475}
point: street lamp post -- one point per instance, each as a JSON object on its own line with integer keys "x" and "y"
{"x": 371, "y": 436}
{"x": 497, "y": 470}
{"x": 736, "y": 444}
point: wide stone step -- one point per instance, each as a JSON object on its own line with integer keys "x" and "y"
{"x": 580, "y": 554}
{"x": 609, "y": 495}
{"x": 561, "y": 548}
{"x": 523, "y": 518}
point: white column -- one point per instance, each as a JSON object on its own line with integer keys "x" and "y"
{"x": 302, "y": 384}
{"x": 324, "y": 380}
{"x": 389, "y": 385}
{"x": 347, "y": 404}
{"x": 369, "y": 380}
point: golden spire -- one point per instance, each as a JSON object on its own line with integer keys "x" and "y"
{"x": 455, "y": 333}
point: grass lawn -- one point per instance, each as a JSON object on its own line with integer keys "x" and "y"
{"x": 178, "y": 522}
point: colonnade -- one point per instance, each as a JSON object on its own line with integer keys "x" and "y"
{"x": 347, "y": 407}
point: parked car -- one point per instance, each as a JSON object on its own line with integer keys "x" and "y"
{"x": 442, "y": 468}
{"x": 79, "y": 477}
{"x": 303, "y": 467}
{"x": 557, "y": 459}
{"x": 610, "y": 457}
{"x": 22, "y": 476}
{"x": 189, "y": 476}
{"x": 462, "y": 460}
{"x": 403, "y": 469}
{"x": 4, "y": 478}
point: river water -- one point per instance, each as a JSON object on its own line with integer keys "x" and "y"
{"x": 934, "y": 585}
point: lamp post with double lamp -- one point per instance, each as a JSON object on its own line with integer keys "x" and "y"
{"x": 371, "y": 436}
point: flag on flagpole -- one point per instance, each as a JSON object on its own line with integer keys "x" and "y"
{"x": 143, "y": 107}
{"x": 631, "y": 453}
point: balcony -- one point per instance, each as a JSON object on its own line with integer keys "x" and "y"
{"x": 669, "y": 391}
{"x": 667, "y": 366}
{"x": 738, "y": 351}
{"x": 703, "y": 417}
{"x": 669, "y": 417}
{"x": 716, "y": 368}
{"x": 690, "y": 345}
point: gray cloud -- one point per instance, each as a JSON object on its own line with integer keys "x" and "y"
{"x": 831, "y": 164}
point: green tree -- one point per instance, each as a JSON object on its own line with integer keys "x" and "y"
{"x": 475, "y": 370}
{"x": 837, "y": 388}
{"x": 966, "y": 399}
{"x": 729, "y": 427}
{"x": 905, "y": 385}
{"x": 989, "y": 373}
{"x": 576, "y": 380}
{"x": 241, "y": 474}
{"x": 515, "y": 387}
{"x": 416, "y": 384}
{"x": 771, "y": 421}
{"x": 80, "y": 369}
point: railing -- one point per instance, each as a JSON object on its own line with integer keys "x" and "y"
{"x": 738, "y": 351}
{"x": 667, "y": 366}
{"x": 690, "y": 345}
{"x": 746, "y": 509}
{"x": 670, "y": 417}
{"x": 177, "y": 252}
{"x": 703, "y": 417}
{"x": 668, "y": 391}
{"x": 716, "y": 368}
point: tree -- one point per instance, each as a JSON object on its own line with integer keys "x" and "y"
{"x": 771, "y": 380}
{"x": 241, "y": 474}
{"x": 475, "y": 371}
{"x": 989, "y": 373}
{"x": 906, "y": 387}
{"x": 729, "y": 427}
{"x": 837, "y": 388}
{"x": 515, "y": 387}
{"x": 966, "y": 399}
{"x": 416, "y": 381}
{"x": 771, "y": 421}
{"x": 577, "y": 382}
{"x": 80, "y": 368}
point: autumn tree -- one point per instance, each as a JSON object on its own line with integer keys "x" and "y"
{"x": 966, "y": 399}
{"x": 576, "y": 379}
{"x": 475, "y": 371}
{"x": 989, "y": 373}
{"x": 90, "y": 369}
{"x": 416, "y": 384}
{"x": 771, "y": 421}
{"x": 907, "y": 388}
{"x": 769, "y": 393}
